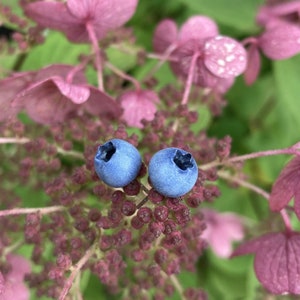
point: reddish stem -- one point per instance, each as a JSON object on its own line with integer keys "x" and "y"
{"x": 245, "y": 157}
{"x": 98, "y": 60}
{"x": 189, "y": 80}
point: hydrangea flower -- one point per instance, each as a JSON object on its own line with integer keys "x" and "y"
{"x": 53, "y": 93}
{"x": 74, "y": 16}
{"x": 222, "y": 229}
{"x": 217, "y": 58}
{"x": 137, "y": 106}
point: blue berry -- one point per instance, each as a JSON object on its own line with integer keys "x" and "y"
{"x": 117, "y": 163}
{"x": 173, "y": 172}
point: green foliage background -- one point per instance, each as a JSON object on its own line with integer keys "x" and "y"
{"x": 259, "y": 117}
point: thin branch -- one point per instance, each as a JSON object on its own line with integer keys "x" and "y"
{"x": 259, "y": 191}
{"x": 98, "y": 60}
{"x": 26, "y": 211}
{"x": 67, "y": 286}
{"x": 241, "y": 158}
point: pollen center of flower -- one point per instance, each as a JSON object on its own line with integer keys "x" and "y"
{"x": 107, "y": 151}
{"x": 183, "y": 161}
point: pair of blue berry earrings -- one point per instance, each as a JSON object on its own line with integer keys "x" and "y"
{"x": 172, "y": 171}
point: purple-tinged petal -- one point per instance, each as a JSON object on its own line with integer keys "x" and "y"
{"x": 138, "y": 105}
{"x": 253, "y": 64}
{"x": 63, "y": 71}
{"x": 9, "y": 88}
{"x": 44, "y": 103}
{"x": 202, "y": 76}
{"x": 165, "y": 34}
{"x": 15, "y": 287}
{"x": 221, "y": 230}
{"x": 280, "y": 42}
{"x": 111, "y": 14}
{"x": 271, "y": 15}
{"x": 198, "y": 27}
{"x": 77, "y": 94}
{"x": 225, "y": 57}
{"x": 276, "y": 263}
{"x": 285, "y": 186}
{"x": 2, "y": 284}
{"x": 83, "y": 9}
{"x": 20, "y": 266}
{"x": 55, "y": 15}
{"x": 102, "y": 105}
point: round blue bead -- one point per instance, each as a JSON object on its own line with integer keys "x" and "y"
{"x": 173, "y": 172}
{"x": 117, "y": 163}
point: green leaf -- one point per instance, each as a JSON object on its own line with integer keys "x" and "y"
{"x": 122, "y": 56}
{"x": 233, "y": 13}
{"x": 287, "y": 89}
{"x": 56, "y": 50}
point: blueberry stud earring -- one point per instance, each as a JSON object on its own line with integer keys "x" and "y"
{"x": 173, "y": 172}
{"x": 117, "y": 163}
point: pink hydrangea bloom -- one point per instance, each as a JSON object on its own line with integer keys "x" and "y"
{"x": 138, "y": 105}
{"x": 276, "y": 262}
{"x": 73, "y": 17}
{"x": 222, "y": 229}
{"x": 13, "y": 286}
{"x": 218, "y": 57}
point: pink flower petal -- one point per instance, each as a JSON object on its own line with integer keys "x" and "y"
{"x": 102, "y": 105}
{"x": 253, "y": 64}
{"x": 198, "y": 27}
{"x": 271, "y": 15}
{"x": 276, "y": 262}
{"x": 44, "y": 103}
{"x": 9, "y": 87}
{"x": 222, "y": 229}
{"x": 2, "y": 284}
{"x": 286, "y": 186}
{"x": 77, "y": 94}
{"x": 280, "y": 42}
{"x": 165, "y": 34}
{"x": 202, "y": 76}
{"x": 104, "y": 14}
{"x": 138, "y": 105}
{"x": 55, "y": 15}
{"x": 15, "y": 287}
{"x": 72, "y": 18}
{"x": 225, "y": 57}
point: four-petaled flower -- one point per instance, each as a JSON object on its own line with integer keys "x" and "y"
{"x": 75, "y": 17}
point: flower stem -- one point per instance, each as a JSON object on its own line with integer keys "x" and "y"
{"x": 123, "y": 75}
{"x": 259, "y": 191}
{"x": 98, "y": 60}
{"x": 189, "y": 80}
{"x": 26, "y": 211}
{"x": 163, "y": 58}
{"x": 68, "y": 284}
{"x": 245, "y": 157}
